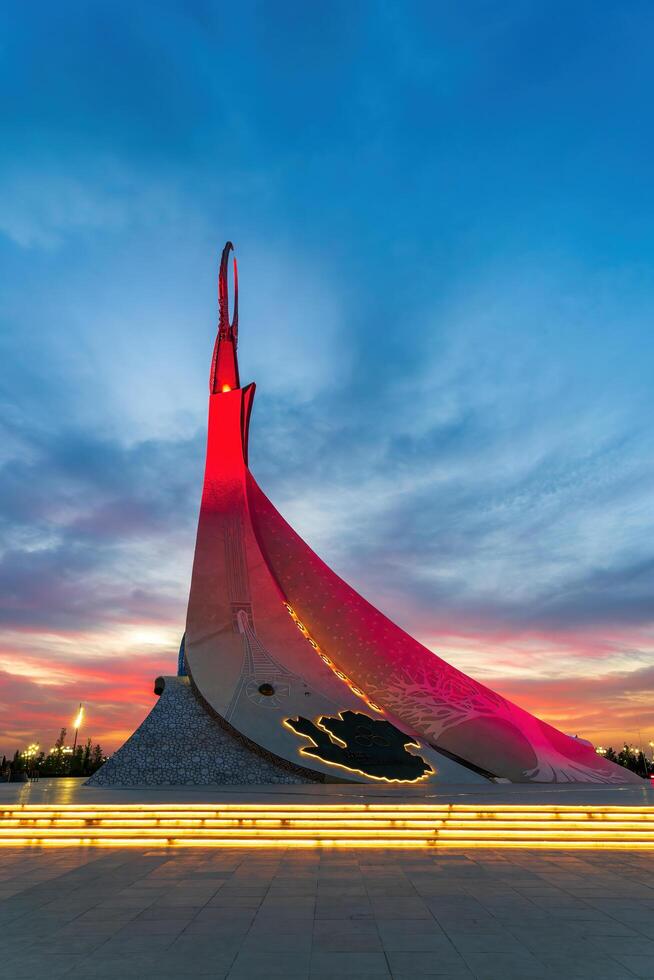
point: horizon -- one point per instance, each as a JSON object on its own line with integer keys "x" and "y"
{"x": 443, "y": 224}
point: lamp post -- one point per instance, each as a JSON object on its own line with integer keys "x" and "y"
{"x": 76, "y": 724}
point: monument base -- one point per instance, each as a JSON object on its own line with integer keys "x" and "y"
{"x": 181, "y": 744}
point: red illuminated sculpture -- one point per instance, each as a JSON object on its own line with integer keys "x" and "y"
{"x": 297, "y": 665}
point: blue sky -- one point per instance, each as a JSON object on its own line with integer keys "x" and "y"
{"x": 444, "y": 223}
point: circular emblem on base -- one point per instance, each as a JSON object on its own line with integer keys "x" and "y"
{"x": 266, "y": 694}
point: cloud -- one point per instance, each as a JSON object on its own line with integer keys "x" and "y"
{"x": 38, "y": 212}
{"x": 117, "y": 698}
{"x": 611, "y": 707}
{"x": 500, "y": 481}
{"x": 95, "y": 531}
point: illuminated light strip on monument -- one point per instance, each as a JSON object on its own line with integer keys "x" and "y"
{"x": 332, "y": 666}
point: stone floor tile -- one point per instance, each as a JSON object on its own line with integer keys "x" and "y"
{"x": 485, "y": 942}
{"x": 343, "y": 908}
{"x": 585, "y": 967}
{"x": 196, "y": 944}
{"x": 328, "y": 890}
{"x": 460, "y": 973}
{"x": 386, "y": 889}
{"x": 279, "y": 941}
{"x": 285, "y": 922}
{"x": 113, "y": 968}
{"x": 267, "y": 927}
{"x": 84, "y": 944}
{"x": 640, "y": 965}
{"x": 340, "y": 942}
{"x": 163, "y": 972}
{"x": 416, "y": 942}
{"x": 348, "y": 964}
{"x": 505, "y": 966}
{"x": 405, "y": 927}
{"x": 400, "y": 908}
{"x": 218, "y": 958}
{"x": 325, "y": 927}
{"x": 425, "y": 962}
{"x": 273, "y": 963}
{"x": 365, "y": 975}
{"x": 289, "y": 904}
{"x": 29, "y": 966}
{"x": 152, "y": 927}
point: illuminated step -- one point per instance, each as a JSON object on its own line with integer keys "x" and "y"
{"x": 370, "y": 819}
{"x": 584, "y": 820}
{"x": 350, "y": 807}
{"x": 322, "y": 808}
{"x": 331, "y": 814}
{"x": 315, "y": 813}
{"x": 461, "y": 840}
{"x": 495, "y": 826}
{"x": 339, "y": 825}
{"x": 478, "y": 832}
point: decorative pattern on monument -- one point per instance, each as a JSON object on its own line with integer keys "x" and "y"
{"x": 180, "y": 744}
{"x": 263, "y": 679}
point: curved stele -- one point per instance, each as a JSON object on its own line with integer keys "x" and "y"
{"x": 276, "y": 642}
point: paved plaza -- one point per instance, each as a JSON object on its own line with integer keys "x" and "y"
{"x": 325, "y": 914}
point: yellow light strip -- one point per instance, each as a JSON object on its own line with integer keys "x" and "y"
{"x": 226, "y": 833}
{"x": 362, "y": 808}
{"x": 329, "y": 662}
{"x": 379, "y": 843}
{"x": 327, "y": 824}
{"x": 317, "y": 814}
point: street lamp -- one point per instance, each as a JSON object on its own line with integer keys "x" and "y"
{"x": 77, "y": 721}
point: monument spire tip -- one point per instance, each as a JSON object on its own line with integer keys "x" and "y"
{"x": 224, "y": 368}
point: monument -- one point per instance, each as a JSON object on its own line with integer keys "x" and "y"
{"x": 287, "y": 674}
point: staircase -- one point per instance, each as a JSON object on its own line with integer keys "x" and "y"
{"x": 327, "y": 825}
